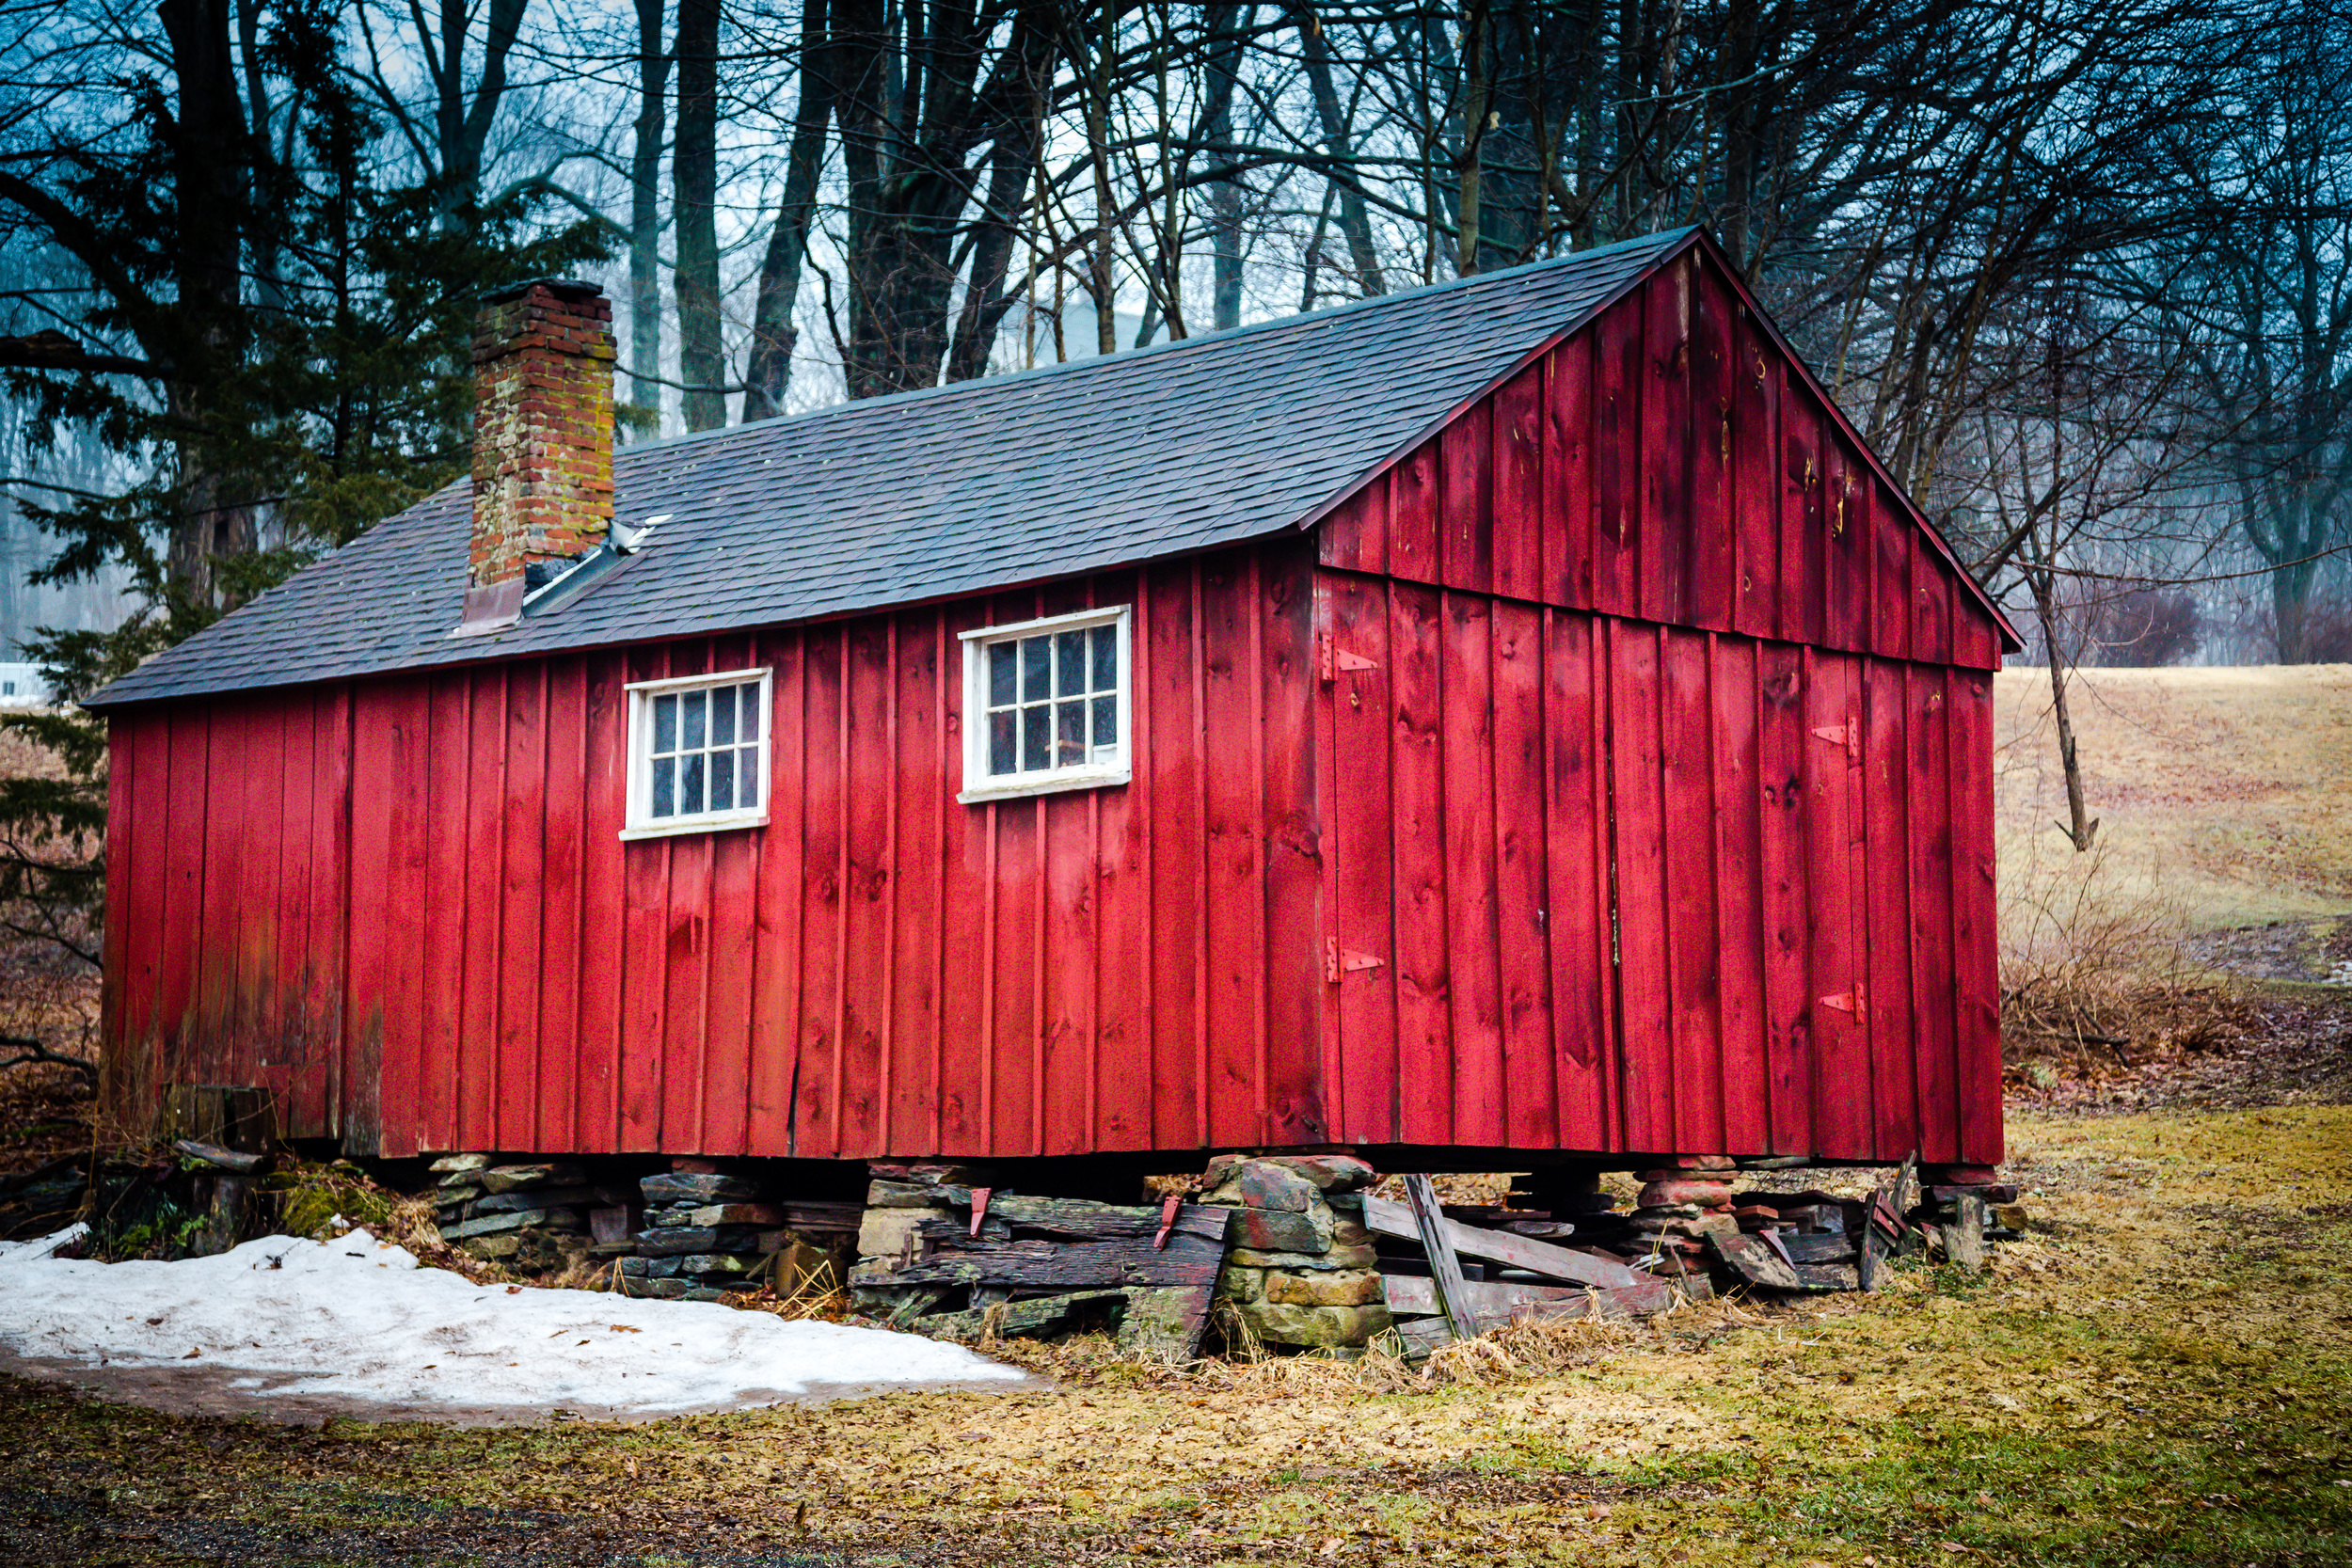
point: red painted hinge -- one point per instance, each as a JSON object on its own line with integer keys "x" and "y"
{"x": 1847, "y": 1002}
{"x": 979, "y": 1208}
{"x": 1169, "y": 1206}
{"x": 1336, "y": 661}
{"x": 1848, "y": 735}
{"x": 1338, "y": 961}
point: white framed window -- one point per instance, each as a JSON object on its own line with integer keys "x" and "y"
{"x": 1047, "y": 704}
{"x": 697, "y": 753}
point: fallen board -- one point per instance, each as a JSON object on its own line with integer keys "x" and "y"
{"x": 1490, "y": 1303}
{"x": 1194, "y": 1254}
{"x": 1385, "y": 1218}
{"x": 1755, "y": 1260}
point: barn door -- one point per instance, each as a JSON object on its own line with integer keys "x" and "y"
{"x": 1833, "y": 748}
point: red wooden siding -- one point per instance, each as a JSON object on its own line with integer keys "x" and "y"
{"x": 879, "y": 971}
{"x": 1668, "y": 464}
{"x": 1647, "y": 929}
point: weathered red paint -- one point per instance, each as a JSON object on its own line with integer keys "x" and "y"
{"x": 1494, "y": 813}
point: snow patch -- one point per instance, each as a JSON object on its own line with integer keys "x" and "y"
{"x": 357, "y": 1318}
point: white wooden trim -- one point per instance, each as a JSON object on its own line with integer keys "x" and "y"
{"x": 981, "y": 785}
{"x": 637, "y": 821}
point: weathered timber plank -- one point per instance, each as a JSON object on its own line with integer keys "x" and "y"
{"x": 1125, "y": 1261}
{"x": 1445, "y": 1270}
{"x": 1755, "y": 1260}
{"x": 1493, "y": 1302}
{"x": 1501, "y": 1246}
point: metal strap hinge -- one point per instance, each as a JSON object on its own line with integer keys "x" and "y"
{"x": 1338, "y": 961}
{"x": 1846, "y": 1002}
{"x": 1336, "y": 661}
{"x": 1848, "y": 735}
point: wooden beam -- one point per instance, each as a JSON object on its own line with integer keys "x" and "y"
{"x": 1501, "y": 1246}
{"x": 1445, "y": 1270}
{"x": 1493, "y": 1302}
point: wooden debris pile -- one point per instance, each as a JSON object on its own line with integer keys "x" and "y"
{"x": 944, "y": 1251}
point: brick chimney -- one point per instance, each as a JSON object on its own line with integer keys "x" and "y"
{"x": 542, "y": 442}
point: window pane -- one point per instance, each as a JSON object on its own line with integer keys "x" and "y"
{"x": 1036, "y": 669}
{"x": 723, "y": 716}
{"x": 665, "y": 786}
{"x": 665, "y": 724}
{"x": 1036, "y": 743}
{"x": 1105, "y": 658}
{"x": 1004, "y": 658}
{"x": 722, "y": 781}
{"x": 1070, "y": 663}
{"x": 1071, "y": 727}
{"x": 751, "y": 710}
{"x": 691, "y": 721}
{"x": 747, "y": 777}
{"x": 1000, "y": 741}
{"x": 1106, "y": 724}
{"x": 690, "y": 786}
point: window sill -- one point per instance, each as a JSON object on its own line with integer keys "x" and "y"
{"x": 697, "y": 825}
{"x": 1093, "y": 778}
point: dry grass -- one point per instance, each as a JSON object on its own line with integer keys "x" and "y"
{"x": 2223, "y": 789}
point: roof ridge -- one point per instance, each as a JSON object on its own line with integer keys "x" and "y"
{"x": 1662, "y": 239}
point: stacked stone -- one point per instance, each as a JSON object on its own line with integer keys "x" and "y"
{"x": 1301, "y": 1271}
{"x": 706, "y": 1233}
{"x": 899, "y": 1199}
{"x": 532, "y": 1218}
{"x": 1678, "y": 1205}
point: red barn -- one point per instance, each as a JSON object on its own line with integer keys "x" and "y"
{"x": 1514, "y": 719}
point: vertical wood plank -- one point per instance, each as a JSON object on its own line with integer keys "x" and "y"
{"x": 1926, "y": 747}
{"x": 1783, "y": 861}
{"x": 1423, "y": 981}
{"x": 1894, "y": 1045}
{"x": 440, "y": 944}
{"x": 645, "y": 958}
{"x": 1847, "y": 590}
{"x": 1666, "y": 450}
{"x": 1234, "y": 972}
{"x": 480, "y": 876}
{"x": 1413, "y": 524}
{"x": 1472, "y": 937}
{"x": 1842, "y": 1057}
{"x": 1517, "y": 510}
{"x": 1567, "y": 474}
{"x": 1575, "y": 816}
{"x": 824, "y": 869}
{"x": 1170, "y": 692}
{"x": 775, "y": 1022}
{"x": 1531, "y": 1093}
{"x": 729, "y": 961}
{"x": 373, "y": 995}
{"x": 1361, "y": 847}
{"x": 522, "y": 899}
{"x": 870, "y": 716}
{"x": 1123, "y": 893}
{"x": 563, "y": 920}
{"x": 1355, "y": 536}
{"x": 924, "y": 774}
{"x": 1746, "y": 1065}
{"x": 1619, "y": 354}
{"x": 1974, "y": 935}
{"x": 1933, "y": 592}
{"x": 1755, "y": 479}
{"x": 1803, "y": 522}
{"x": 604, "y": 871}
{"x": 1465, "y": 500}
{"x": 1890, "y": 547}
{"x": 1292, "y": 940}
{"x": 1638, "y": 852}
{"x": 1713, "y": 594}
{"x": 1691, "y": 862}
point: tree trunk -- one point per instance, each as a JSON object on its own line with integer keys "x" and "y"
{"x": 767, "y": 369}
{"x": 208, "y": 154}
{"x": 2081, "y": 828}
{"x": 694, "y": 172}
{"x": 644, "y": 212}
{"x": 1339, "y": 147}
{"x": 1224, "y": 23}
{"x": 1510, "y": 195}
{"x": 1468, "y": 238}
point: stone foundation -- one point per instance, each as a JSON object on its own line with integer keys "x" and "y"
{"x": 1302, "y": 1271}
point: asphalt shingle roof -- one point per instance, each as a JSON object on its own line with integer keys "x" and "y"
{"x": 1047, "y": 473}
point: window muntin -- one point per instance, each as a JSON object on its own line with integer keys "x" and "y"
{"x": 1046, "y": 705}
{"x": 698, "y": 753}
